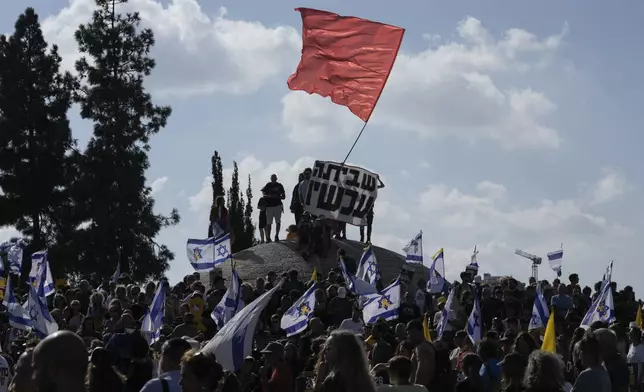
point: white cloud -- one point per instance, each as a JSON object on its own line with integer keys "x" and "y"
{"x": 158, "y": 184}
{"x": 612, "y": 185}
{"x": 6, "y": 233}
{"x": 195, "y": 53}
{"x": 491, "y": 190}
{"x": 455, "y": 89}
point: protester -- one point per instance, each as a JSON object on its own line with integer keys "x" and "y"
{"x": 274, "y": 193}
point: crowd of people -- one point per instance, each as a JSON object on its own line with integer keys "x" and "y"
{"x": 99, "y": 346}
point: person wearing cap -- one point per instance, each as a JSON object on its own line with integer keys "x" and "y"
{"x": 276, "y": 375}
{"x": 169, "y": 367}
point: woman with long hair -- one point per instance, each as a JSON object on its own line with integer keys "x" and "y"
{"x": 524, "y": 344}
{"x": 102, "y": 375}
{"x": 199, "y": 372}
{"x": 343, "y": 365}
{"x": 544, "y": 373}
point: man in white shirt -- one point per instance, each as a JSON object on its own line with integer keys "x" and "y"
{"x": 354, "y": 324}
{"x": 636, "y": 350}
{"x": 169, "y": 367}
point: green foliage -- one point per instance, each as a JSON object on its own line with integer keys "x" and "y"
{"x": 37, "y": 156}
{"x": 217, "y": 173}
{"x": 249, "y": 227}
{"x": 117, "y": 206}
{"x": 236, "y": 211}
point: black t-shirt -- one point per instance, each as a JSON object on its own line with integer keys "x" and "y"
{"x": 408, "y": 312}
{"x": 275, "y": 193}
{"x": 466, "y": 386}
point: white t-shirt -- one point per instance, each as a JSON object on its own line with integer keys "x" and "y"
{"x": 635, "y": 354}
{"x": 350, "y": 325}
{"x": 5, "y": 374}
{"x": 420, "y": 300}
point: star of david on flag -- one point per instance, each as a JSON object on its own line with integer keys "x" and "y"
{"x": 414, "y": 249}
{"x": 368, "y": 269}
{"x": 296, "y": 318}
{"x": 206, "y": 254}
{"x": 474, "y": 322}
{"x": 384, "y": 305}
{"x": 603, "y": 308}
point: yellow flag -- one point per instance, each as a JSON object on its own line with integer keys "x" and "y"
{"x": 314, "y": 275}
{"x": 638, "y": 317}
{"x": 550, "y": 338}
{"x": 426, "y": 332}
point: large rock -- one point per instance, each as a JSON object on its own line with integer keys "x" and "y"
{"x": 283, "y": 257}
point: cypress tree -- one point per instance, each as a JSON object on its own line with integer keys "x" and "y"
{"x": 236, "y": 211}
{"x": 217, "y": 173}
{"x": 36, "y": 144}
{"x": 249, "y": 227}
{"x": 112, "y": 186}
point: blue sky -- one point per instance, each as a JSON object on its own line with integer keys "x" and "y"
{"x": 504, "y": 124}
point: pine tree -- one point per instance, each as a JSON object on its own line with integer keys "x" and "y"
{"x": 217, "y": 177}
{"x": 115, "y": 198}
{"x": 217, "y": 172}
{"x": 36, "y": 144}
{"x": 236, "y": 211}
{"x": 249, "y": 227}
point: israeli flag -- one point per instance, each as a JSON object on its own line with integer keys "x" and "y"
{"x": 445, "y": 313}
{"x": 474, "y": 322}
{"x": 436, "y": 282}
{"x": 18, "y": 316}
{"x": 40, "y": 274}
{"x": 355, "y": 284}
{"x": 384, "y": 305}
{"x": 117, "y": 273}
{"x": 206, "y": 254}
{"x": 234, "y": 342}
{"x": 230, "y": 304}
{"x": 297, "y": 317}
{"x": 14, "y": 257}
{"x": 414, "y": 249}
{"x": 608, "y": 275}
{"x": 555, "y": 259}
{"x": 153, "y": 319}
{"x": 368, "y": 269}
{"x": 41, "y": 321}
{"x": 540, "y": 311}
{"x": 602, "y": 309}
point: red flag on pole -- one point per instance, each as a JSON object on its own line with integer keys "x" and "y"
{"x": 346, "y": 58}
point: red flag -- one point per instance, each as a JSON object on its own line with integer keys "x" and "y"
{"x": 346, "y": 58}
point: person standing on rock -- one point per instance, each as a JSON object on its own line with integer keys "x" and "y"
{"x": 274, "y": 194}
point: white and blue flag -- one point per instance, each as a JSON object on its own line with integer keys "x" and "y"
{"x": 602, "y": 309}
{"x": 384, "y": 305}
{"x": 414, "y": 249}
{"x": 234, "y": 342}
{"x": 555, "y": 259}
{"x": 206, "y": 254}
{"x": 445, "y": 313}
{"x": 436, "y": 280}
{"x": 368, "y": 269}
{"x": 41, "y": 321}
{"x": 230, "y": 304}
{"x": 540, "y": 311}
{"x": 40, "y": 274}
{"x": 297, "y": 317}
{"x": 117, "y": 273}
{"x": 14, "y": 257}
{"x": 355, "y": 284}
{"x": 608, "y": 275}
{"x": 153, "y": 319}
{"x": 474, "y": 329}
{"x": 18, "y": 315}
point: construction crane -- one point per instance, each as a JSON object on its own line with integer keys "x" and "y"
{"x": 536, "y": 260}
